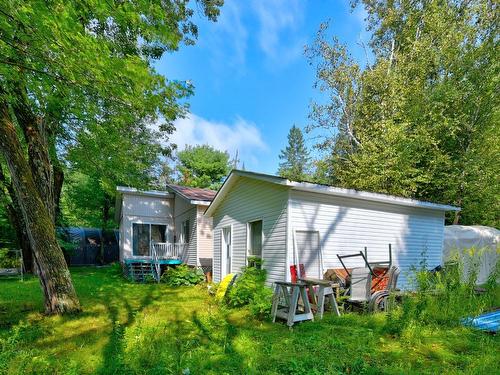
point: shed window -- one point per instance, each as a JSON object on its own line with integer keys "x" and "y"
{"x": 144, "y": 235}
{"x": 185, "y": 231}
{"x": 255, "y": 238}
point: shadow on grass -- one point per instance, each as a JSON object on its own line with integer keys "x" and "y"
{"x": 224, "y": 338}
{"x": 113, "y": 352}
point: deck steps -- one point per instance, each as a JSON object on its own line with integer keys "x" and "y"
{"x": 140, "y": 271}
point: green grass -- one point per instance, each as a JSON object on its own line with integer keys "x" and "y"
{"x": 133, "y": 328}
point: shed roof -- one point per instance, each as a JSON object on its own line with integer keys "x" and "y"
{"x": 194, "y": 195}
{"x": 321, "y": 189}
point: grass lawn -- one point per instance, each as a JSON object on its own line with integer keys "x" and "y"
{"x": 133, "y": 328}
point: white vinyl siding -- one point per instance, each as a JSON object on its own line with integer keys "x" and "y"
{"x": 204, "y": 237}
{"x": 141, "y": 209}
{"x": 185, "y": 211}
{"x": 250, "y": 200}
{"x": 347, "y": 225}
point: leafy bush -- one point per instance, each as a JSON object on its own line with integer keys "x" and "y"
{"x": 182, "y": 275}
{"x": 254, "y": 261}
{"x": 8, "y": 259}
{"x": 261, "y": 303}
{"x": 250, "y": 290}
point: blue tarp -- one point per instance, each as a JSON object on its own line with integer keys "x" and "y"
{"x": 487, "y": 322}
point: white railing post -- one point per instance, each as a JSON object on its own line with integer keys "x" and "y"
{"x": 167, "y": 250}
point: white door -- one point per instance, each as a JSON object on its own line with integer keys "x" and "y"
{"x": 308, "y": 252}
{"x": 227, "y": 250}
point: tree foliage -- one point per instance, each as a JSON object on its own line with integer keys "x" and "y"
{"x": 203, "y": 166}
{"x": 68, "y": 68}
{"x": 295, "y": 164}
{"x": 102, "y": 158}
{"x": 422, "y": 120}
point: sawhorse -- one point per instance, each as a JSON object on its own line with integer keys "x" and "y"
{"x": 290, "y": 293}
{"x": 324, "y": 291}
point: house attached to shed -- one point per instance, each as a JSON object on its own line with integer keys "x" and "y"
{"x": 165, "y": 225}
{"x": 286, "y": 222}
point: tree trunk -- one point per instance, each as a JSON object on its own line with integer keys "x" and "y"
{"x": 36, "y": 134}
{"x": 58, "y": 184}
{"x": 54, "y": 276}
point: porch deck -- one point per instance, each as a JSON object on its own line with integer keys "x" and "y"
{"x": 154, "y": 261}
{"x": 161, "y": 254}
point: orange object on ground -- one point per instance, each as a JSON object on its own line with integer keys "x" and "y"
{"x": 380, "y": 278}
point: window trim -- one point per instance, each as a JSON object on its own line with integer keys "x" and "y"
{"x": 183, "y": 231}
{"x": 144, "y": 223}
{"x": 224, "y": 271}
{"x": 247, "y": 254}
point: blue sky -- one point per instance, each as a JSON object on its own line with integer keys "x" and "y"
{"x": 252, "y": 81}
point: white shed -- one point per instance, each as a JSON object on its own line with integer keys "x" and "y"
{"x": 286, "y": 222}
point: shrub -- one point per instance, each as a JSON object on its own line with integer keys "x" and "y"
{"x": 261, "y": 303}
{"x": 255, "y": 262}
{"x": 182, "y": 275}
{"x": 250, "y": 290}
{"x": 250, "y": 281}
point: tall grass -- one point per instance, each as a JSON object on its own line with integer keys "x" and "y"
{"x": 444, "y": 297}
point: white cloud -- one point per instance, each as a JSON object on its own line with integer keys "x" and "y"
{"x": 228, "y": 38}
{"x": 279, "y": 20}
{"x": 241, "y": 135}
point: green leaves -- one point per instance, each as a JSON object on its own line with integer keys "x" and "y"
{"x": 295, "y": 158}
{"x": 203, "y": 166}
{"x": 182, "y": 275}
{"x": 421, "y": 120}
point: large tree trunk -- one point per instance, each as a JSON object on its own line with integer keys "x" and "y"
{"x": 55, "y": 279}
{"x": 37, "y": 136}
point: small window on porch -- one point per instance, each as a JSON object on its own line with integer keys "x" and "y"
{"x": 255, "y": 239}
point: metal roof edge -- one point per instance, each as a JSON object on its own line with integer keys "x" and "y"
{"x": 150, "y": 193}
{"x": 325, "y": 189}
{"x": 375, "y": 197}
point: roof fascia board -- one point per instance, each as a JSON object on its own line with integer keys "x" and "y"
{"x": 200, "y": 203}
{"x": 382, "y": 198}
{"x": 323, "y": 189}
{"x": 149, "y": 193}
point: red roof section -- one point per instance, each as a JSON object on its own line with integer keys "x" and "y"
{"x": 195, "y": 194}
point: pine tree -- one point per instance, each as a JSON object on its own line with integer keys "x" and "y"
{"x": 295, "y": 158}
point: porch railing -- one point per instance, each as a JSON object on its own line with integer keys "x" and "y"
{"x": 167, "y": 250}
